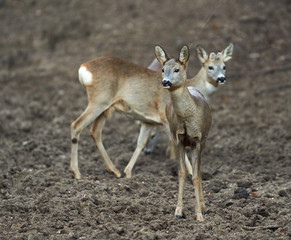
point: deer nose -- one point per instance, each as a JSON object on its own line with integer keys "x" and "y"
{"x": 221, "y": 80}
{"x": 166, "y": 83}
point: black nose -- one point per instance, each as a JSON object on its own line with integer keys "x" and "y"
{"x": 166, "y": 83}
{"x": 221, "y": 80}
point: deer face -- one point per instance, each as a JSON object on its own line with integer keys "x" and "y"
{"x": 174, "y": 71}
{"x": 215, "y": 68}
{"x": 174, "y": 74}
{"x": 215, "y": 64}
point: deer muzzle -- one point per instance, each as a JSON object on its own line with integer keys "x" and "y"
{"x": 166, "y": 83}
{"x": 221, "y": 80}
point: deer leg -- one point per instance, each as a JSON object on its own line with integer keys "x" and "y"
{"x": 188, "y": 165}
{"x": 151, "y": 143}
{"x": 181, "y": 155}
{"x": 77, "y": 127}
{"x": 96, "y": 132}
{"x": 200, "y": 182}
{"x": 197, "y": 181}
{"x": 145, "y": 131}
{"x": 171, "y": 151}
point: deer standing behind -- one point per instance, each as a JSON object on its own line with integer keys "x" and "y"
{"x": 189, "y": 118}
{"x": 210, "y": 76}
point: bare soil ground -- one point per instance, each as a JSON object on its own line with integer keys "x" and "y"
{"x": 247, "y": 160}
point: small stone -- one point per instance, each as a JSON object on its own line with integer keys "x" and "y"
{"x": 25, "y": 126}
{"x": 120, "y": 230}
{"x": 283, "y": 193}
{"x": 254, "y": 194}
{"x": 263, "y": 213}
{"x": 240, "y": 193}
{"x": 229, "y": 203}
{"x": 244, "y": 184}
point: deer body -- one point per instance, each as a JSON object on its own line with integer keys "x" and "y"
{"x": 113, "y": 84}
{"x": 117, "y": 92}
{"x": 189, "y": 118}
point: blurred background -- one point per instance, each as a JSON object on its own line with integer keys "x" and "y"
{"x": 43, "y": 43}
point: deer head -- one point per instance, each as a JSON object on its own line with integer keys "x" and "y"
{"x": 214, "y": 64}
{"x": 174, "y": 70}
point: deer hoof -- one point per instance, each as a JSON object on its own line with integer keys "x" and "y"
{"x": 114, "y": 171}
{"x": 127, "y": 173}
{"x": 76, "y": 173}
{"x": 117, "y": 174}
{"x": 180, "y": 216}
{"x": 199, "y": 217}
{"x": 179, "y": 213}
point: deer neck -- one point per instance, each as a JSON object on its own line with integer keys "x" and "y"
{"x": 203, "y": 83}
{"x": 180, "y": 100}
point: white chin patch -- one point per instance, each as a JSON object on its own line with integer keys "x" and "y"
{"x": 166, "y": 86}
{"x": 210, "y": 88}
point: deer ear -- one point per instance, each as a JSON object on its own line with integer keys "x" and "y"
{"x": 184, "y": 55}
{"x": 161, "y": 54}
{"x": 201, "y": 54}
{"x": 227, "y": 53}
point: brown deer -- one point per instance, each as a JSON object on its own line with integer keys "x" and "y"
{"x": 207, "y": 80}
{"x": 189, "y": 118}
{"x": 115, "y": 84}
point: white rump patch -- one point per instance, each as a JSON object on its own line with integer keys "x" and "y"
{"x": 85, "y": 76}
{"x": 195, "y": 92}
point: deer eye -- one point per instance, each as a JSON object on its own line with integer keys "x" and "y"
{"x": 176, "y": 70}
{"x": 210, "y": 68}
{"x": 162, "y": 70}
{"x": 223, "y": 67}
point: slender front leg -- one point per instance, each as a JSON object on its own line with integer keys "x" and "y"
{"x": 199, "y": 170}
{"x": 181, "y": 155}
{"x": 202, "y": 201}
{"x": 145, "y": 131}
{"x": 96, "y": 132}
{"x": 197, "y": 181}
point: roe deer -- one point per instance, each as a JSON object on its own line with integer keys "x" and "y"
{"x": 189, "y": 118}
{"x": 207, "y": 80}
{"x": 115, "y": 84}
